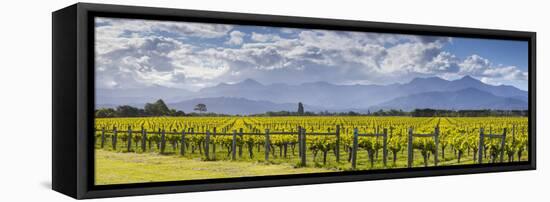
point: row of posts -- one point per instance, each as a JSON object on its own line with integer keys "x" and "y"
{"x": 302, "y": 143}
{"x": 114, "y": 139}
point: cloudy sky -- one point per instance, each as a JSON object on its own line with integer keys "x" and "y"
{"x": 139, "y": 53}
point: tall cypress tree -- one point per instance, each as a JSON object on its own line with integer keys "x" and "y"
{"x": 300, "y": 108}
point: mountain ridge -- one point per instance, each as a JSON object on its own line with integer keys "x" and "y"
{"x": 330, "y": 96}
{"x": 469, "y": 98}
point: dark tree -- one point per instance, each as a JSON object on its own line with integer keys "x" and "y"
{"x": 142, "y": 112}
{"x": 300, "y": 108}
{"x": 105, "y": 113}
{"x": 200, "y": 108}
{"x": 279, "y": 113}
{"x": 158, "y": 108}
{"x": 127, "y": 111}
{"x": 178, "y": 113}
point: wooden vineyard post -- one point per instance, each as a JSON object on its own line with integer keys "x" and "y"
{"x": 129, "y": 139}
{"x": 234, "y": 146}
{"x": 182, "y": 144}
{"x": 149, "y": 141}
{"x": 304, "y": 148}
{"x": 241, "y": 145}
{"x": 207, "y": 145}
{"x": 354, "y": 149}
{"x": 172, "y": 141}
{"x": 267, "y": 145}
{"x": 338, "y": 143}
{"x": 143, "y": 139}
{"x": 410, "y": 154}
{"x": 502, "y": 145}
{"x": 214, "y": 145}
{"x": 436, "y": 141}
{"x": 480, "y": 146}
{"x": 526, "y": 142}
{"x": 385, "y": 146}
{"x": 102, "y": 137}
{"x": 114, "y": 138}
{"x": 513, "y": 134}
{"x": 192, "y": 133}
{"x": 300, "y": 141}
{"x": 162, "y": 141}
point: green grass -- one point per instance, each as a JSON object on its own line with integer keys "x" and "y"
{"x": 129, "y": 167}
{"x": 293, "y": 159}
{"x": 121, "y": 168}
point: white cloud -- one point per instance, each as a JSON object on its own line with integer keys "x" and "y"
{"x": 474, "y": 64}
{"x": 235, "y": 38}
{"x": 263, "y": 37}
{"x": 198, "y": 65}
{"x": 114, "y": 34}
{"x": 444, "y": 62}
{"x": 478, "y": 66}
{"x": 410, "y": 57}
{"x": 204, "y": 30}
{"x": 133, "y": 53}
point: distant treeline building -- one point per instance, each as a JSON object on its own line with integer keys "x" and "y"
{"x": 467, "y": 113}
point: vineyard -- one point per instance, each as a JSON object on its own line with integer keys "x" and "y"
{"x": 334, "y": 142}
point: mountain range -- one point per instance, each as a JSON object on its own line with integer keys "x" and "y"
{"x": 139, "y": 96}
{"x": 250, "y": 96}
{"x": 469, "y": 98}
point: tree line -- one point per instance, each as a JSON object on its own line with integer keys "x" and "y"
{"x": 467, "y": 113}
{"x": 159, "y": 108}
{"x": 300, "y": 112}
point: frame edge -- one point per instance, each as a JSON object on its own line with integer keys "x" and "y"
{"x": 84, "y": 191}
{"x": 64, "y": 144}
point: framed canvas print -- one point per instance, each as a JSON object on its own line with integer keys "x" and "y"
{"x": 155, "y": 100}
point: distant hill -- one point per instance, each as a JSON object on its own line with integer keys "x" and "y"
{"x": 320, "y": 96}
{"x": 333, "y": 96}
{"x": 139, "y": 96}
{"x": 437, "y": 84}
{"x": 469, "y": 98}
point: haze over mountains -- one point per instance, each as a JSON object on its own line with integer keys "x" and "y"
{"x": 250, "y": 96}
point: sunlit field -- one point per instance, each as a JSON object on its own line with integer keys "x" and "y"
{"x": 130, "y": 150}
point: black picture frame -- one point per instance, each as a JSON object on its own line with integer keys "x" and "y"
{"x": 73, "y": 100}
